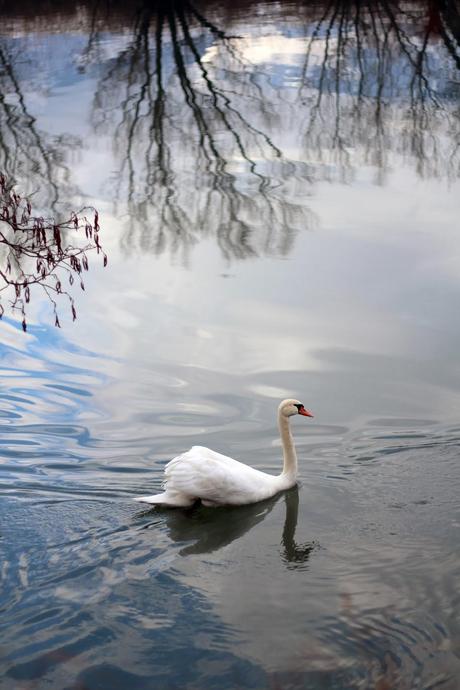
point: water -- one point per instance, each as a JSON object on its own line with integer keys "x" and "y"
{"x": 278, "y": 194}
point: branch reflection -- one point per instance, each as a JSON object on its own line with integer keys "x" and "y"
{"x": 377, "y": 84}
{"x": 222, "y": 118}
{"x": 222, "y": 134}
{"x": 27, "y": 154}
{"x": 194, "y": 159}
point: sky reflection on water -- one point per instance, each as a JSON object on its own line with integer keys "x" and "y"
{"x": 278, "y": 193}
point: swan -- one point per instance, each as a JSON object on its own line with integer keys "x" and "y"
{"x": 217, "y": 480}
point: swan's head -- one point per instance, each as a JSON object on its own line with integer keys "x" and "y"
{"x": 290, "y": 407}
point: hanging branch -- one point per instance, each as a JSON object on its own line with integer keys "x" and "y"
{"x": 36, "y": 252}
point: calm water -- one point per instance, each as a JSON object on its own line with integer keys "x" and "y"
{"x": 278, "y": 193}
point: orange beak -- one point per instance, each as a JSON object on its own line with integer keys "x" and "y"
{"x": 305, "y": 412}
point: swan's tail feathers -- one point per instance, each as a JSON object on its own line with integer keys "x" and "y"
{"x": 173, "y": 500}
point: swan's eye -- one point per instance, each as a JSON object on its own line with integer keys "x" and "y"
{"x": 299, "y": 407}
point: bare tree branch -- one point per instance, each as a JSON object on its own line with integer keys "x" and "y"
{"x": 36, "y": 252}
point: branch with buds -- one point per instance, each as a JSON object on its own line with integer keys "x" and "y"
{"x": 37, "y": 252}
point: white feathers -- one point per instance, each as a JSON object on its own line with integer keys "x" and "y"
{"x": 216, "y": 479}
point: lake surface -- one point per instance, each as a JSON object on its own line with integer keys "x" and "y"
{"x": 277, "y": 187}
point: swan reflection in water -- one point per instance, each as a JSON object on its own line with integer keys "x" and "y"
{"x": 205, "y": 530}
{"x": 293, "y": 554}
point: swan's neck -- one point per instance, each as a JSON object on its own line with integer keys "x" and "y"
{"x": 290, "y": 456}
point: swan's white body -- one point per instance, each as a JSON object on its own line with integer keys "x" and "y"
{"x": 216, "y": 479}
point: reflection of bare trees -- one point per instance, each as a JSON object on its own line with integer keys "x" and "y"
{"x": 376, "y": 81}
{"x": 34, "y": 252}
{"x": 193, "y": 160}
{"x": 221, "y": 116}
{"x": 26, "y": 153}
{"x": 208, "y": 141}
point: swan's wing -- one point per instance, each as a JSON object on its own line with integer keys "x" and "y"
{"x": 203, "y": 473}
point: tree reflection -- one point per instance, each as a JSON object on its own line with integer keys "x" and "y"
{"x": 211, "y": 144}
{"x": 191, "y": 153}
{"x": 26, "y": 153}
{"x": 222, "y": 117}
{"x": 375, "y": 83}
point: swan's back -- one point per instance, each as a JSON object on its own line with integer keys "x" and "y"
{"x": 217, "y": 479}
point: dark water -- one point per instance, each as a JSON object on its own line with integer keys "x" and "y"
{"x": 278, "y": 193}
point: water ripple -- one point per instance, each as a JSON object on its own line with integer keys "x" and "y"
{"x": 87, "y": 577}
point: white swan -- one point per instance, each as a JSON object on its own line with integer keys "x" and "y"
{"x": 201, "y": 473}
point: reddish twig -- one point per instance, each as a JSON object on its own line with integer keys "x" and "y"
{"x": 37, "y": 252}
